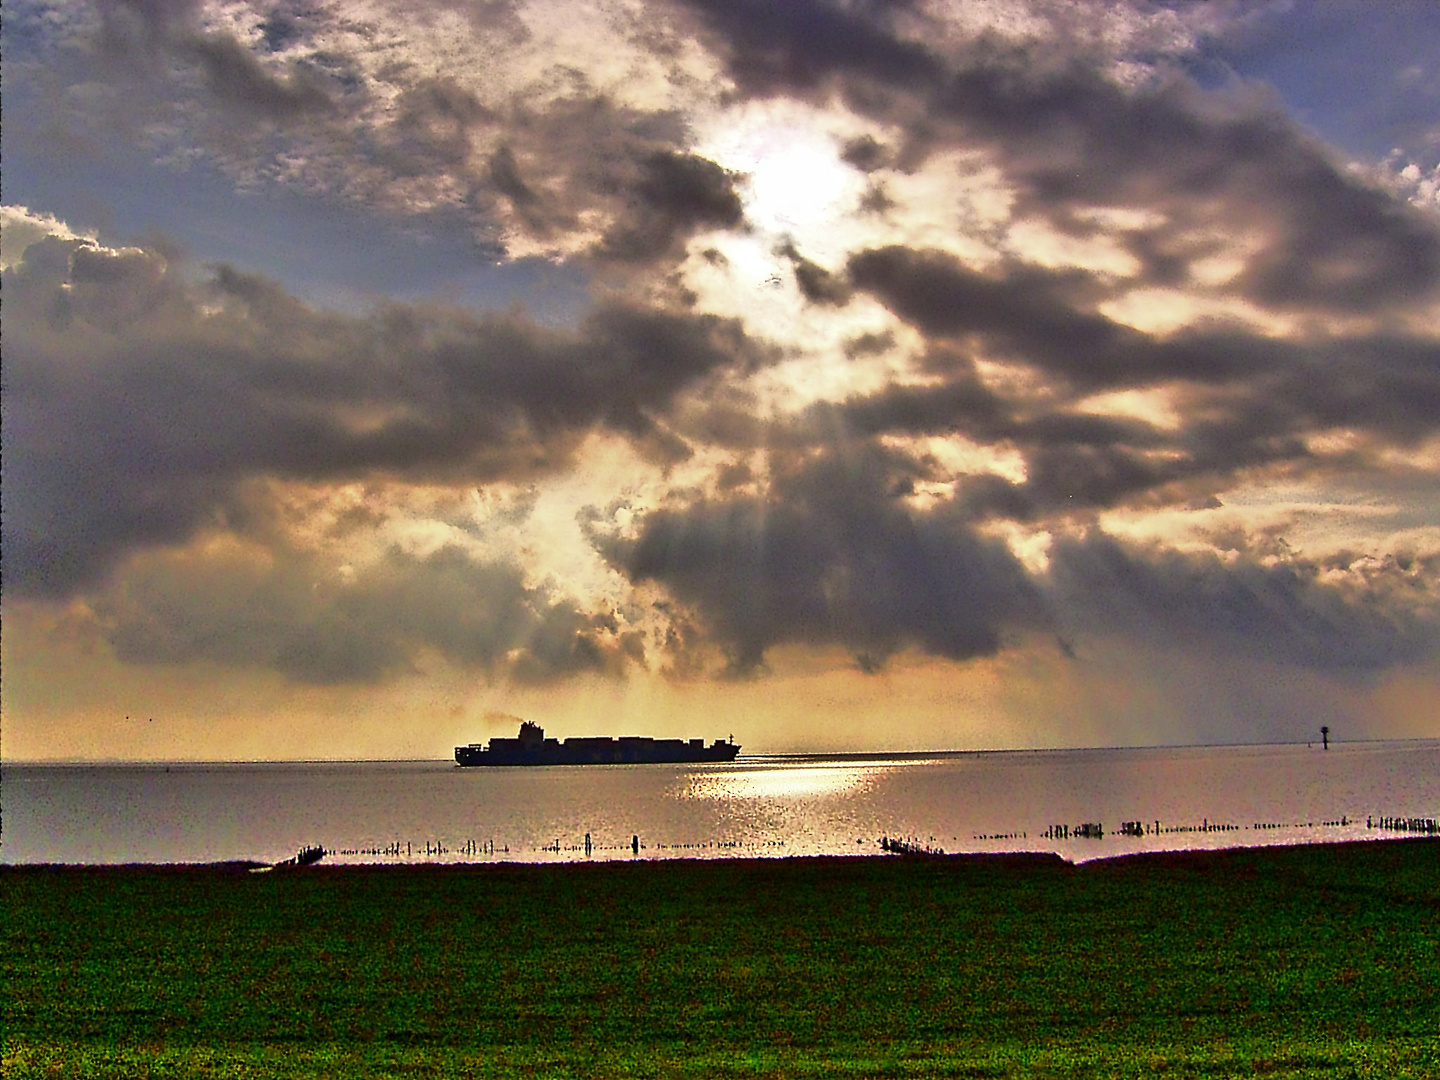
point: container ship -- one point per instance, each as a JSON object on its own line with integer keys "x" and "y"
{"x": 531, "y": 747}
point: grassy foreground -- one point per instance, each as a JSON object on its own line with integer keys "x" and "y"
{"x": 1316, "y": 961}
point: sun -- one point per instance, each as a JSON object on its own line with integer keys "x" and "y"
{"x": 795, "y": 183}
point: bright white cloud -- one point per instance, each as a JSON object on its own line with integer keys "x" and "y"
{"x": 19, "y": 228}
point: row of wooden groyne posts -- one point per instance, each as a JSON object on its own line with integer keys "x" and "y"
{"x": 1425, "y": 825}
{"x": 1094, "y": 830}
{"x": 1091, "y": 830}
{"x": 1088, "y": 830}
{"x": 405, "y": 849}
{"x": 894, "y": 845}
{"x": 397, "y": 850}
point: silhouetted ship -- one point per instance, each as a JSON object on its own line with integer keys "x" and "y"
{"x": 532, "y": 748}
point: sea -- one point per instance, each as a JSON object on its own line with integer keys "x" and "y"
{"x": 1081, "y": 804}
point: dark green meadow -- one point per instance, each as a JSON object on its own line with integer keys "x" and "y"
{"x": 1319, "y": 961}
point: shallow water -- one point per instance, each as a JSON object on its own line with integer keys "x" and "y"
{"x": 419, "y": 811}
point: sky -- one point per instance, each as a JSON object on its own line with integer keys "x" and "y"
{"x": 834, "y": 374}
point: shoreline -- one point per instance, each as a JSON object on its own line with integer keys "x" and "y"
{"x": 994, "y": 859}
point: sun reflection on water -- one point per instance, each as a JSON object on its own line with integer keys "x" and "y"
{"x": 787, "y": 780}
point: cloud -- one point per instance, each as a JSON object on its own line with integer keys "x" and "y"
{"x": 1071, "y": 137}
{"x": 584, "y": 161}
{"x": 1044, "y": 282}
{"x": 592, "y": 151}
{"x": 19, "y": 228}
{"x": 832, "y": 554}
{"x": 807, "y": 48}
{"x": 147, "y": 33}
{"x": 817, "y": 285}
{"x": 1344, "y": 615}
{"x": 457, "y": 111}
{"x": 584, "y": 175}
{"x": 827, "y": 555}
{"x": 136, "y": 400}
{"x": 1025, "y": 311}
{"x": 674, "y": 195}
{"x": 283, "y": 610}
{"x": 1241, "y": 398}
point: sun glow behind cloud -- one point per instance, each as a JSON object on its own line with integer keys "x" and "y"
{"x": 795, "y": 183}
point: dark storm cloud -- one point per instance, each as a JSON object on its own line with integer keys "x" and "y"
{"x": 1292, "y": 612}
{"x": 1075, "y": 462}
{"x": 435, "y": 125}
{"x": 807, "y": 47}
{"x": 673, "y": 195}
{"x": 546, "y": 165}
{"x": 144, "y": 30}
{"x": 574, "y": 159}
{"x": 569, "y": 642}
{"x": 505, "y": 175}
{"x": 828, "y": 555}
{"x": 961, "y": 404}
{"x": 1067, "y": 135}
{"x": 234, "y": 76}
{"x": 1070, "y": 138}
{"x": 550, "y": 160}
{"x": 1241, "y": 398}
{"x": 1028, "y": 313}
{"x": 1043, "y": 318}
{"x": 287, "y": 612}
{"x": 135, "y": 401}
{"x": 817, "y": 285}
{"x": 865, "y": 153}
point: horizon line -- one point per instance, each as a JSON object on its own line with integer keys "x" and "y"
{"x": 778, "y": 755}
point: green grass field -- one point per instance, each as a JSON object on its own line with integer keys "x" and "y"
{"x": 1283, "y": 962}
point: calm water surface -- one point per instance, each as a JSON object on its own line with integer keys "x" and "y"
{"x": 769, "y": 806}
